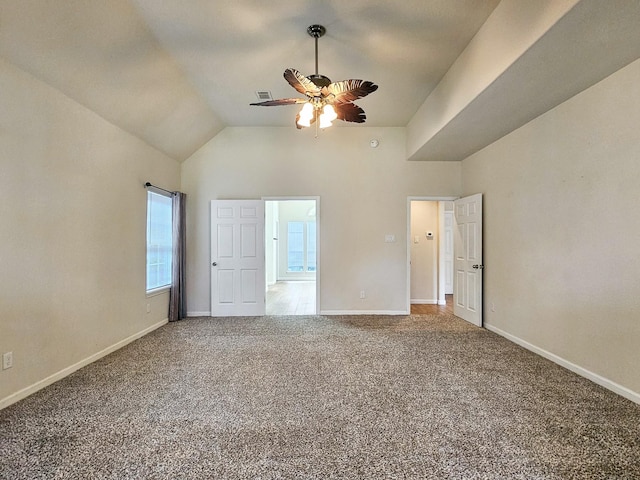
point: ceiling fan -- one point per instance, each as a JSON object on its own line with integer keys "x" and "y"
{"x": 325, "y": 101}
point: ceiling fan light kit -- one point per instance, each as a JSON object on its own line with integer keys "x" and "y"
{"x": 325, "y": 101}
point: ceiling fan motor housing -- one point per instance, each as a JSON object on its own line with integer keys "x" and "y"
{"x": 319, "y": 80}
{"x": 316, "y": 31}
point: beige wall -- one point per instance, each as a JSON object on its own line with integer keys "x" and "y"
{"x": 363, "y": 197}
{"x": 72, "y": 236}
{"x": 562, "y": 228}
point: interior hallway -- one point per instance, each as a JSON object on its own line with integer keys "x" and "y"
{"x": 291, "y": 298}
{"x": 430, "y": 309}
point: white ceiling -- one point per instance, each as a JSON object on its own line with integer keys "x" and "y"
{"x": 176, "y": 72}
{"x": 230, "y": 49}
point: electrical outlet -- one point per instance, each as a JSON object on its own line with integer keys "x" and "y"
{"x": 362, "y": 294}
{"x": 493, "y": 307}
{"x": 7, "y": 360}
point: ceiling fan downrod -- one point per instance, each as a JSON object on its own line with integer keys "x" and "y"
{"x": 317, "y": 31}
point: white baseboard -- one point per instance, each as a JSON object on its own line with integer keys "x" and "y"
{"x": 328, "y": 312}
{"x": 364, "y": 312}
{"x": 583, "y": 372}
{"x": 422, "y": 301}
{"x": 25, "y": 392}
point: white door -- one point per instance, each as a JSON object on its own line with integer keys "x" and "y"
{"x": 237, "y": 258}
{"x": 467, "y": 295}
{"x": 448, "y": 253}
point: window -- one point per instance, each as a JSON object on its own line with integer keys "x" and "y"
{"x": 311, "y": 246}
{"x": 159, "y": 244}
{"x": 301, "y": 254}
{"x": 295, "y": 247}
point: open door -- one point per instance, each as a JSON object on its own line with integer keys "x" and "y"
{"x": 292, "y": 241}
{"x": 467, "y": 295}
{"x": 237, "y": 258}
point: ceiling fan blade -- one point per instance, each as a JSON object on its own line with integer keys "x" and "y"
{"x": 350, "y": 112}
{"x": 282, "y": 101}
{"x": 301, "y": 83}
{"x": 348, "y": 90}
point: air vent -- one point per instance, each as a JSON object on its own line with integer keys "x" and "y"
{"x": 264, "y": 95}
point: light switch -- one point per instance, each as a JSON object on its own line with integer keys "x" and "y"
{"x": 416, "y": 239}
{"x": 389, "y": 238}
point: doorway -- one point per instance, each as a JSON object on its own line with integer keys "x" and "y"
{"x": 292, "y": 255}
{"x": 430, "y": 236}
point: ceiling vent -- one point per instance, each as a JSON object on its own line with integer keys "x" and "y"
{"x": 264, "y": 95}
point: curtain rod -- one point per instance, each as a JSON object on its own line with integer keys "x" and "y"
{"x": 148, "y": 184}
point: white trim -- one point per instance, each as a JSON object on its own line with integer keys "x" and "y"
{"x": 288, "y": 276}
{"x": 154, "y": 292}
{"x": 363, "y": 312}
{"x": 39, "y": 385}
{"x": 326, "y": 312}
{"x": 422, "y": 301}
{"x": 441, "y": 259}
{"x": 583, "y": 372}
{"x": 159, "y": 191}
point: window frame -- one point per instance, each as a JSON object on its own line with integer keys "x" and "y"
{"x": 165, "y": 286}
{"x": 306, "y": 240}
{"x": 301, "y": 243}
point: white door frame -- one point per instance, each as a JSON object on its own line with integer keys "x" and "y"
{"x": 318, "y": 249}
{"x": 418, "y": 199}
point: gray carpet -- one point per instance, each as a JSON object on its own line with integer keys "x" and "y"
{"x": 322, "y": 397}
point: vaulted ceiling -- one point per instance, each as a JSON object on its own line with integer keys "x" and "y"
{"x": 175, "y": 73}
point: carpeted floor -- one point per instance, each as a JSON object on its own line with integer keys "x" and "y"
{"x": 419, "y": 397}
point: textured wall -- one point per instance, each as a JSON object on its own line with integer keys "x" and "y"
{"x": 363, "y": 197}
{"x": 72, "y": 240}
{"x": 562, "y": 226}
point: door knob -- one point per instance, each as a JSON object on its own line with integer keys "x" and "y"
{"x": 215, "y": 264}
{"x": 478, "y": 267}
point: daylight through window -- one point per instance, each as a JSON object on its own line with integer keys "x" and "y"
{"x": 159, "y": 244}
{"x": 301, "y": 247}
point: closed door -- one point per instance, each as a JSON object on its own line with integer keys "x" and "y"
{"x": 237, "y": 258}
{"x": 467, "y": 295}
